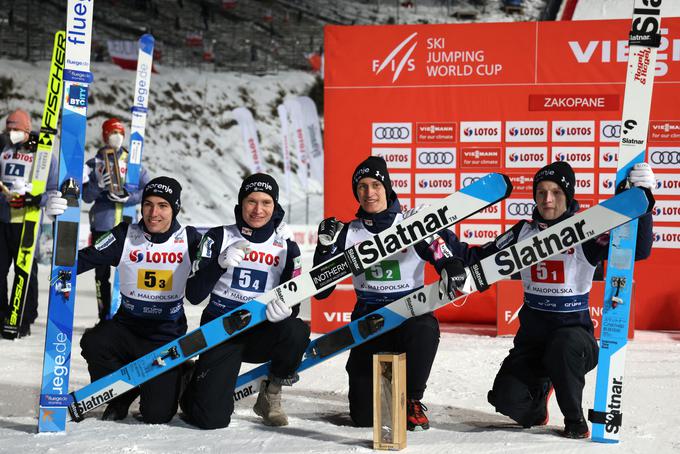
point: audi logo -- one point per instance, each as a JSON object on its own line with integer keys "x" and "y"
{"x": 665, "y": 157}
{"x": 436, "y": 157}
{"x": 520, "y": 209}
{"x": 467, "y": 181}
{"x": 611, "y": 131}
{"x": 394, "y": 132}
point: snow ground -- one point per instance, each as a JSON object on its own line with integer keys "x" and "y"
{"x": 461, "y": 420}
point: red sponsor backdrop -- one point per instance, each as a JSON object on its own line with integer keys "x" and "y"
{"x": 445, "y": 104}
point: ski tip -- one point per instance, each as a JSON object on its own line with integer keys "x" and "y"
{"x": 508, "y": 184}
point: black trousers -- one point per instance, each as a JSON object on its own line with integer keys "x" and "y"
{"x": 10, "y": 237}
{"x": 563, "y": 359}
{"x": 110, "y": 345}
{"x": 418, "y": 337}
{"x": 102, "y": 274}
{"x": 208, "y": 401}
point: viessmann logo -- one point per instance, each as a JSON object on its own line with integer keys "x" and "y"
{"x": 397, "y": 61}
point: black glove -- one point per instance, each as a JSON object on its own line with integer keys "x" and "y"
{"x": 452, "y": 278}
{"x": 328, "y": 233}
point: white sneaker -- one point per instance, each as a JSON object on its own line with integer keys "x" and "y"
{"x": 268, "y": 405}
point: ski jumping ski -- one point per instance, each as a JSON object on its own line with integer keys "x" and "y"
{"x": 134, "y": 165}
{"x": 57, "y": 355}
{"x": 644, "y": 39}
{"x": 40, "y": 173}
{"x": 579, "y": 228}
{"x": 428, "y": 221}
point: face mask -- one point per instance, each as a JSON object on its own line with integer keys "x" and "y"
{"x": 115, "y": 140}
{"x": 17, "y": 136}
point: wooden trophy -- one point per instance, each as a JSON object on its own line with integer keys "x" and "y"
{"x": 389, "y": 401}
{"x": 112, "y": 168}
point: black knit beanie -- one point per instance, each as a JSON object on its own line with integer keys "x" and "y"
{"x": 259, "y": 182}
{"x": 562, "y": 174}
{"x": 373, "y": 167}
{"x": 166, "y": 188}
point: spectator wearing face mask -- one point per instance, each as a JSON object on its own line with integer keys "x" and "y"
{"x": 17, "y": 154}
{"x": 97, "y": 189}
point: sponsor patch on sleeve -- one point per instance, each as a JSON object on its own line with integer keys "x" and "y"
{"x": 206, "y": 247}
{"x": 297, "y": 266}
{"x": 505, "y": 239}
{"x": 105, "y": 241}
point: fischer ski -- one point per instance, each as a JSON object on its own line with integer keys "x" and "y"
{"x": 428, "y": 221}
{"x": 644, "y": 39}
{"x": 134, "y": 165}
{"x": 57, "y": 355}
{"x": 41, "y": 170}
{"x": 501, "y": 265}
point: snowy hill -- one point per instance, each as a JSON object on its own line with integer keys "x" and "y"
{"x": 191, "y": 132}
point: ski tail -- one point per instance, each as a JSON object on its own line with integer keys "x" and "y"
{"x": 644, "y": 39}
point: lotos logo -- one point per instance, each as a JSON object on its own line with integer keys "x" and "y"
{"x": 574, "y": 155}
{"x": 607, "y": 183}
{"x": 481, "y": 131}
{"x": 572, "y": 131}
{"x": 485, "y": 234}
{"x": 526, "y": 131}
{"x": 527, "y": 157}
{"x": 397, "y": 64}
{"x": 262, "y": 257}
{"x": 609, "y": 157}
{"x": 480, "y": 233}
{"x": 136, "y": 256}
{"x": 434, "y": 183}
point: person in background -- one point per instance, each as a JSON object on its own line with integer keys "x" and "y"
{"x": 96, "y": 188}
